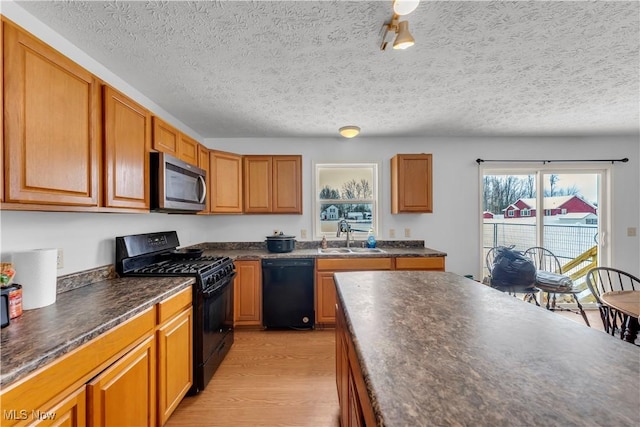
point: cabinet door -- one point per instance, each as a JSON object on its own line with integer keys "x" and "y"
{"x": 287, "y": 184}
{"x": 188, "y": 149}
{"x": 51, "y": 119}
{"x": 69, "y": 412}
{"x": 248, "y": 293}
{"x": 175, "y": 363}
{"x": 258, "y": 184}
{"x": 166, "y": 138}
{"x": 411, "y": 183}
{"x": 127, "y": 136}
{"x": 125, "y": 393}
{"x": 225, "y": 185}
{"x": 325, "y": 298}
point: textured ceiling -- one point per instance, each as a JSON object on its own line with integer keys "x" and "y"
{"x": 306, "y": 68}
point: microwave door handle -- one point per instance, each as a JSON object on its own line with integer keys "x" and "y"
{"x": 204, "y": 189}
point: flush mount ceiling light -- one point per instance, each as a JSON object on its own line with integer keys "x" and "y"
{"x": 349, "y": 131}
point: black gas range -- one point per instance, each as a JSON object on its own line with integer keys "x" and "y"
{"x": 157, "y": 254}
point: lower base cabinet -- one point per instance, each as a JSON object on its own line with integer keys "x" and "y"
{"x": 247, "y": 294}
{"x": 355, "y": 406}
{"x": 125, "y": 393}
{"x": 133, "y": 375}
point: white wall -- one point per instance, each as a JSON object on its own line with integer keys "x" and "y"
{"x": 453, "y": 226}
{"x": 87, "y": 239}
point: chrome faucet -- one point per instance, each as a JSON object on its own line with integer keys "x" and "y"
{"x": 343, "y": 225}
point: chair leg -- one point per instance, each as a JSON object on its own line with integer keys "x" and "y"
{"x": 581, "y": 310}
{"x": 604, "y": 315}
{"x": 548, "y": 298}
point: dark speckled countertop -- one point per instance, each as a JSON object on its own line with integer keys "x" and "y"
{"x": 41, "y": 335}
{"x": 438, "y": 349}
{"x": 259, "y": 252}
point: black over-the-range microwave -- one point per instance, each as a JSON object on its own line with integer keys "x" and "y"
{"x": 176, "y": 186}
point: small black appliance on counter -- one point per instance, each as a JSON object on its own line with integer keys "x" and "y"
{"x": 281, "y": 243}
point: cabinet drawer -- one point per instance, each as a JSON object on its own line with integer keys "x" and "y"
{"x": 173, "y": 305}
{"x": 353, "y": 264}
{"x": 420, "y": 263}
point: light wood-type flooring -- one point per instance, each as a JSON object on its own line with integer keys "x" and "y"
{"x": 278, "y": 378}
{"x": 269, "y": 378}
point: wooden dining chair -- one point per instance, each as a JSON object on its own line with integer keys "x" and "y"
{"x": 528, "y": 292}
{"x": 547, "y": 261}
{"x": 607, "y": 279}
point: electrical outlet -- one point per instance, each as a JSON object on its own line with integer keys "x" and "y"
{"x": 392, "y": 233}
{"x": 60, "y": 259}
{"x": 303, "y": 233}
{"x": 631, "y": 231}
{"x": 407, "y": 232}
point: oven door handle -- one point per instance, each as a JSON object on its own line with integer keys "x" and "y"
{"x": 219, "y": 289}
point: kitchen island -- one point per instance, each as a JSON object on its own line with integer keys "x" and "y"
{"x": 435, "y": 348}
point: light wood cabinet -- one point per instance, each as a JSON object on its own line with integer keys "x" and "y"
{"x": 225, "y": 183}
{"x": 355, "y": 406}
{"x": 167, "y": 139}
{"x": 420, "y": 263}
{"x": 272, "y": 184}
{"x": 411, "y": 183}
{"x": 51, "y": 119}
{"x": 325, "y": 283}
{"x": 174, "y": 340}
{"x": 135, "y": 374}
{"x": 287, "y": 184}
{"x": 69, "y": 412}
{"x": 188, "y": 149}
{"x": 125, "y": 393}
{"x": 248, "y": 293}
{"x": 127, "y": 138}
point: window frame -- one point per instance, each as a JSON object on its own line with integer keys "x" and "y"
{"x": 376, "y": 223}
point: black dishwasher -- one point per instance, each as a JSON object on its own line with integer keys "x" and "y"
{"x": 287, "y": 293}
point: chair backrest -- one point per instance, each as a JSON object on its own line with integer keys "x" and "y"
{"x": 607, "y": 279}
{"x": 491, "y": 255}
{"x": 544, "y": 259}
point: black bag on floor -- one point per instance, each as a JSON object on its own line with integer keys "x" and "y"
{"x": 511, "y": 268}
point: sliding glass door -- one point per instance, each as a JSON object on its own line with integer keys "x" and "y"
{"x": 564, "y": 210}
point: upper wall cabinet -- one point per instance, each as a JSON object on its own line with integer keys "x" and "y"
{"x": 273, "y": 184}
{"x": 225, "y": 182}
{"x": 188, "y": 149}
{"x": 127, "y": 137}
{"x": 411, "y": 183}
{"x": 165, "y": 137}
{"x": 51, "y": 119}
{"x": 170, "y": 140}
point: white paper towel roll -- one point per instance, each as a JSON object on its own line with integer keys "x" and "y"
{"x": 36, "y": 272}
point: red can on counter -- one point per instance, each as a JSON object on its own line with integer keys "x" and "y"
{"x": 15, "y": 300}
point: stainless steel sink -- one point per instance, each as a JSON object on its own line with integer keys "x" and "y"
{"x": 367, "y": 250}
{"x": 347, "y": 251}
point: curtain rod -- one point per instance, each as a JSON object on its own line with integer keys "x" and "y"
{"x": 625, "y": 160}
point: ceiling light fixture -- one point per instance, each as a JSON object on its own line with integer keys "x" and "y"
{"x": 349, "y": 131}
{"x": 404, "y": 7}
{"x": 400, "y": 30}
